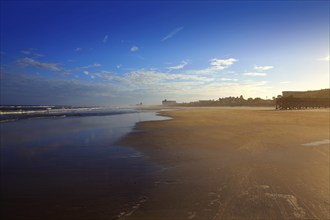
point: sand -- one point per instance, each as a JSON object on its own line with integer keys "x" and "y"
{"x": 236, "y": 163}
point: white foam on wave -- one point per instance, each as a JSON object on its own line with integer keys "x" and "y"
{"x": 317, "y": 143}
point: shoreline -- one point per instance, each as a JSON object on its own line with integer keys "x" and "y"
{"x": 220, "y": 163}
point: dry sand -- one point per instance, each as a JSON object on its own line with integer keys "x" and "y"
{"x": 236, "y": 163}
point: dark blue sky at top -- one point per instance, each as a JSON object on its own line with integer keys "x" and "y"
{"x": 80, "y": 33}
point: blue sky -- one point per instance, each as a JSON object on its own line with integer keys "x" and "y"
{"x": 126, "y": 52}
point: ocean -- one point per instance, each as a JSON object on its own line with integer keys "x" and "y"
{"x": 60, "y": 162}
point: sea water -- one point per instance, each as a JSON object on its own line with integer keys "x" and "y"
{"x": 68, "y": 165}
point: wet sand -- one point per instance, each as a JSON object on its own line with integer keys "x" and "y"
{"x": 236, "y": 163}
{"x": 71, "y": 168}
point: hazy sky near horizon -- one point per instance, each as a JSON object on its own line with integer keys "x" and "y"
{"x": 127, "y": 52}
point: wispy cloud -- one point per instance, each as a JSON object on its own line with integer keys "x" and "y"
{"x": 54, "y": 67}
{"x": 90, "y": 66}
{"x": 215, "y": 66}
{"x": 284, "y": 82}
{"x": 180, "y": 66}
{"x": 263, "y": 68}
{"x": 42, "y": 90}
{"x": 89, "y": 74}
{"x": 76, "y": 69}
{"x": 172, "y": 33}
{"x": 152, "y": 83}
{"x": 153, "y": 78}
{"x": 206, "y": 82}
{"x": 31, "y": 52}
{"x": 147, "y": 78}
{"x": 105, "y": 39}
{"x": 134, "y": 49}
{"x": 78, "y": 49}
{"x": 26, "y": 52}
{"x": 255, "y": 74}
{"x": 228, "y": 79}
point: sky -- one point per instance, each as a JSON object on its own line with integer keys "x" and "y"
{"x": 119, "y": 53}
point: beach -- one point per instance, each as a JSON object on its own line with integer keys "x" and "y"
{"x": 235, "y": 163}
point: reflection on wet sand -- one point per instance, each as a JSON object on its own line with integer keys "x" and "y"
{"x": 71, "y": 168}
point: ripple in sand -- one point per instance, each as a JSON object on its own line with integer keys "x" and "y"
{"x": 298, "y": 211}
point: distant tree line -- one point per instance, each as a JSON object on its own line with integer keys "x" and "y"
{"x": 288, "y": 100}
{"x": 232, "y": 101}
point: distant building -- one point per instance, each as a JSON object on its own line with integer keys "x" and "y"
{"x": 323, "y": 93}
{"x": 304, "y": 99}
{"x": 167, "y": 102}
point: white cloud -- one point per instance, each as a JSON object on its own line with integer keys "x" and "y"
{"x": 285, "y": 82}
{"x": 222, "y": 64}
{"x": 172, "y": 33}
{"x": 155, "y": 84}
{"x": 105, "y": 39}
{"x": 134, "y": 49}
{"x": 228, "y": 79}
{"x": 227, "y": 62}
{"x": 119, "y": 66}
{"x": 91, "y": 75}
{"x": 180, "y": 66}
{"x": 45, "y": 66}
{"x": 216, "y": 65}
{"x": 255, "y": 74}
{"x": 263, "y": 68}
{"x": 78, "y": 49}
{"x": 207, "y": 83}
{"x": 150, "y": 78}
